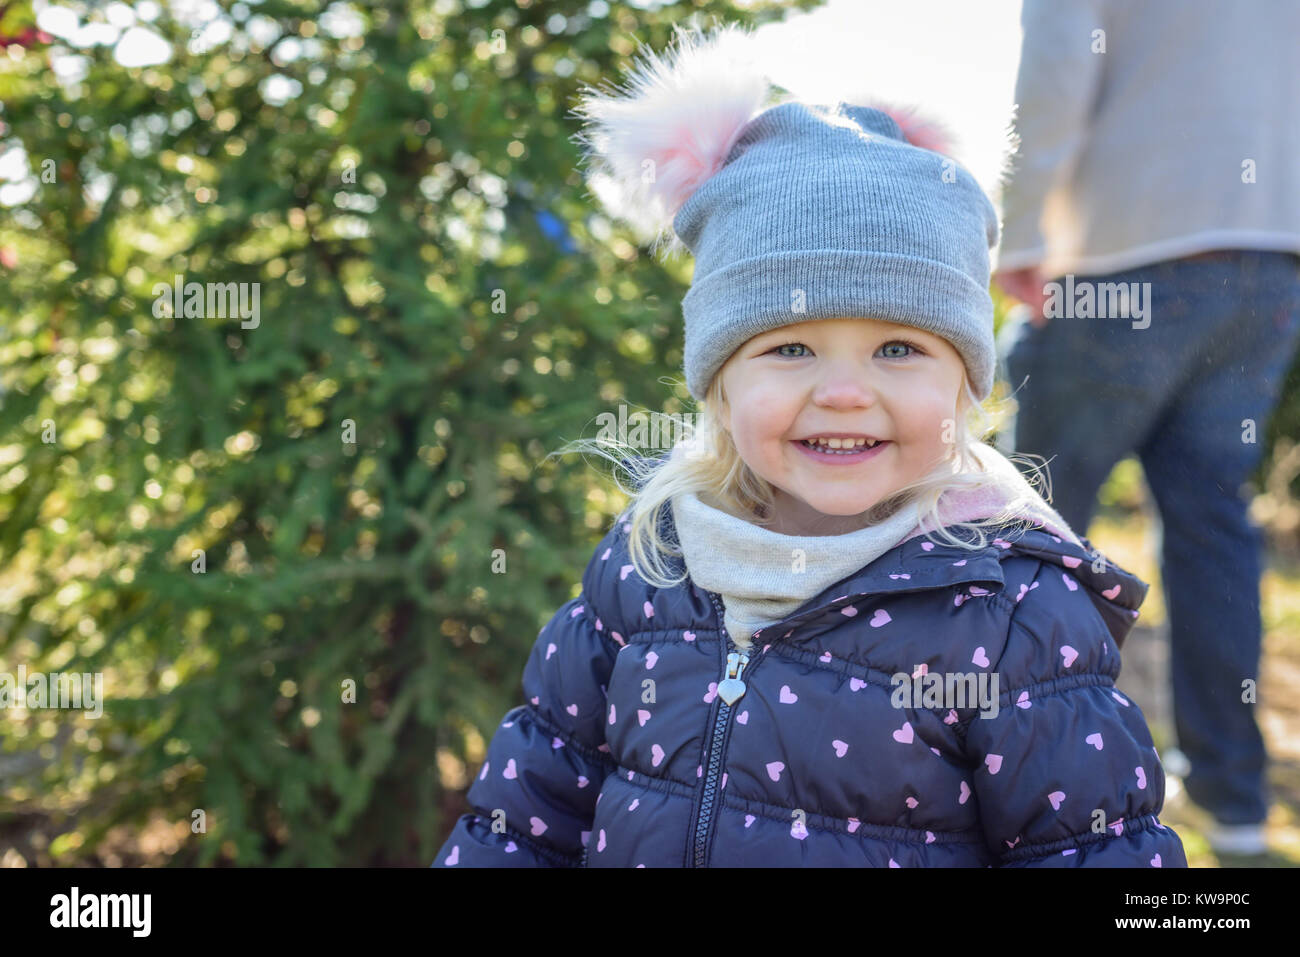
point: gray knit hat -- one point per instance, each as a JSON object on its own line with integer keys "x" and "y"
{"x": 796, "y": 211}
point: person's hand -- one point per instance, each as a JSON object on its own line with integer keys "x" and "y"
{"x": 1027, "y": 286}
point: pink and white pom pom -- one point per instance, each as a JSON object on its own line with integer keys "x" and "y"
{"x": 655, "y": 143}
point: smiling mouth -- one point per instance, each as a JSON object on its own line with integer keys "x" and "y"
{"x": 851, "y": 451}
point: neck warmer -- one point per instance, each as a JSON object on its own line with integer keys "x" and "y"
{"x": 762, "y": 577}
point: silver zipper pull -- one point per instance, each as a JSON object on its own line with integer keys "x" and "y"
{"x": 731, "y": 687}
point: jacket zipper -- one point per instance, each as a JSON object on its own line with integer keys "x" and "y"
{"x": 731, "y": 688}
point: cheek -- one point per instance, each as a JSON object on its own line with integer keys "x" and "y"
{"x": 927, "y": 424}
{"x": 760, "y": 418}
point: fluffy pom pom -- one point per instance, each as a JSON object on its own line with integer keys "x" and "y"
{"x": 653, "y": 144}
{"x": 987, "y": 152}
{"x": 919, "y": 130}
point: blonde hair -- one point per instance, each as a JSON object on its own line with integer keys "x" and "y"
{"x": 712, "y": 468}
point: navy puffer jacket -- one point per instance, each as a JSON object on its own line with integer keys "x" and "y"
{"x": 626, "y": 754}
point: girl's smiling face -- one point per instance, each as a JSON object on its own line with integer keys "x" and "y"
{"x": 840, "y": 377}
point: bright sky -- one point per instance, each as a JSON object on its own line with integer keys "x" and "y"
{"x": 954, "y": 60}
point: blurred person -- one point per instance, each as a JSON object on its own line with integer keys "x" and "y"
{"x": 1158, "y": 152}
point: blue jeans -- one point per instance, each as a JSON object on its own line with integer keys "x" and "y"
{"x": 1182, "y": 393}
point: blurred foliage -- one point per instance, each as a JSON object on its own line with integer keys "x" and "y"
{"x": 400, "y": 180}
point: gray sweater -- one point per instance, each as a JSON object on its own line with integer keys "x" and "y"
{"x": 1181, "y": 137}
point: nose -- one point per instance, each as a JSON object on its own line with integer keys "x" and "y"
{"x": 844, "y": 385}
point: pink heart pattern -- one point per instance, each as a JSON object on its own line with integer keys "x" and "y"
{"x": 775, "y": 769}
{"x": 1025, "y": 590}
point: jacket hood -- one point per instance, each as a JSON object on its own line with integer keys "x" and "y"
{"x": 1116, "y": 593}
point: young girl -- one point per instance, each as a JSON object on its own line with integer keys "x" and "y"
{"x": 836, "y": 629}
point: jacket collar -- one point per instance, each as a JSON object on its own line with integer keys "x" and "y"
{"x": 917, "y": 564}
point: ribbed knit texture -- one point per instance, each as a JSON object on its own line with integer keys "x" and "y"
{"x": 827, "y": 212}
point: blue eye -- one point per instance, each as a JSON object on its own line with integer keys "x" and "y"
{"x": 790, "y": 345}
{"x": 901, "y": 342}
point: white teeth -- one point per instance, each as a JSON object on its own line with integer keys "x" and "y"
{"x": 843, "y": 446}
{"x": 841, "y": 443}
